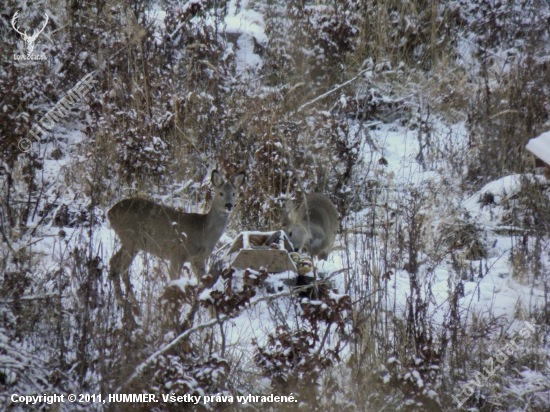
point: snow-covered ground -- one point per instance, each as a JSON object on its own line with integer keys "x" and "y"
{"x": 495, "y": 293}
{"x": 401, "y": 165}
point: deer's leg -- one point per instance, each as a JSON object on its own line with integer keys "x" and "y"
{"x": 126, "y": 279}
{"x": 176, "y": 264}
{"x": 119, "y": 265}
{"x": 199, "y": 268}
{"x": 114, "y": 273}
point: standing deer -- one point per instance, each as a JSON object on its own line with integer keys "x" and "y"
{"x": 142, "y": 225}
{"x": 313, "y": 225}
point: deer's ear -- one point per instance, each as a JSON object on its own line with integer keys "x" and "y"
{"x": 217, "y": 179}
{"x": 239, "y": 179}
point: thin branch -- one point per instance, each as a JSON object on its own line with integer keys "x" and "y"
{"x": 30, "y": 297}
{"x": 333, "y": 90}
{"x": 141, "y": 367}
{"x": 189, "y": 140}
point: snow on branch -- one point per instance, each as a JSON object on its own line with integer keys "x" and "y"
{"x": 333, "y": 90}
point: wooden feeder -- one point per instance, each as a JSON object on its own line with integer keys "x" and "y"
{"x": 267, "y": 250}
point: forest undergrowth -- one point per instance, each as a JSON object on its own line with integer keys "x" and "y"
{"x": 412, "y": 116}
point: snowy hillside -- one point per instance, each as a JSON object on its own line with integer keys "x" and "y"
{"x": 412, "y": 117}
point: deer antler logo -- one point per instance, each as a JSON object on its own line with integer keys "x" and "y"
{"x": 29, "y": 40}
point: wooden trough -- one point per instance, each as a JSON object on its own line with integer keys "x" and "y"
{"x": 267, "y": 250}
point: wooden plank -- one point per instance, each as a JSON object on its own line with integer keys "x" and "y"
{"x": 248, "y": 240}
{"x": 273, "y": 260}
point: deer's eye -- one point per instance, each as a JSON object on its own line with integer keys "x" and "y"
{"x": 221, "y": 193}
